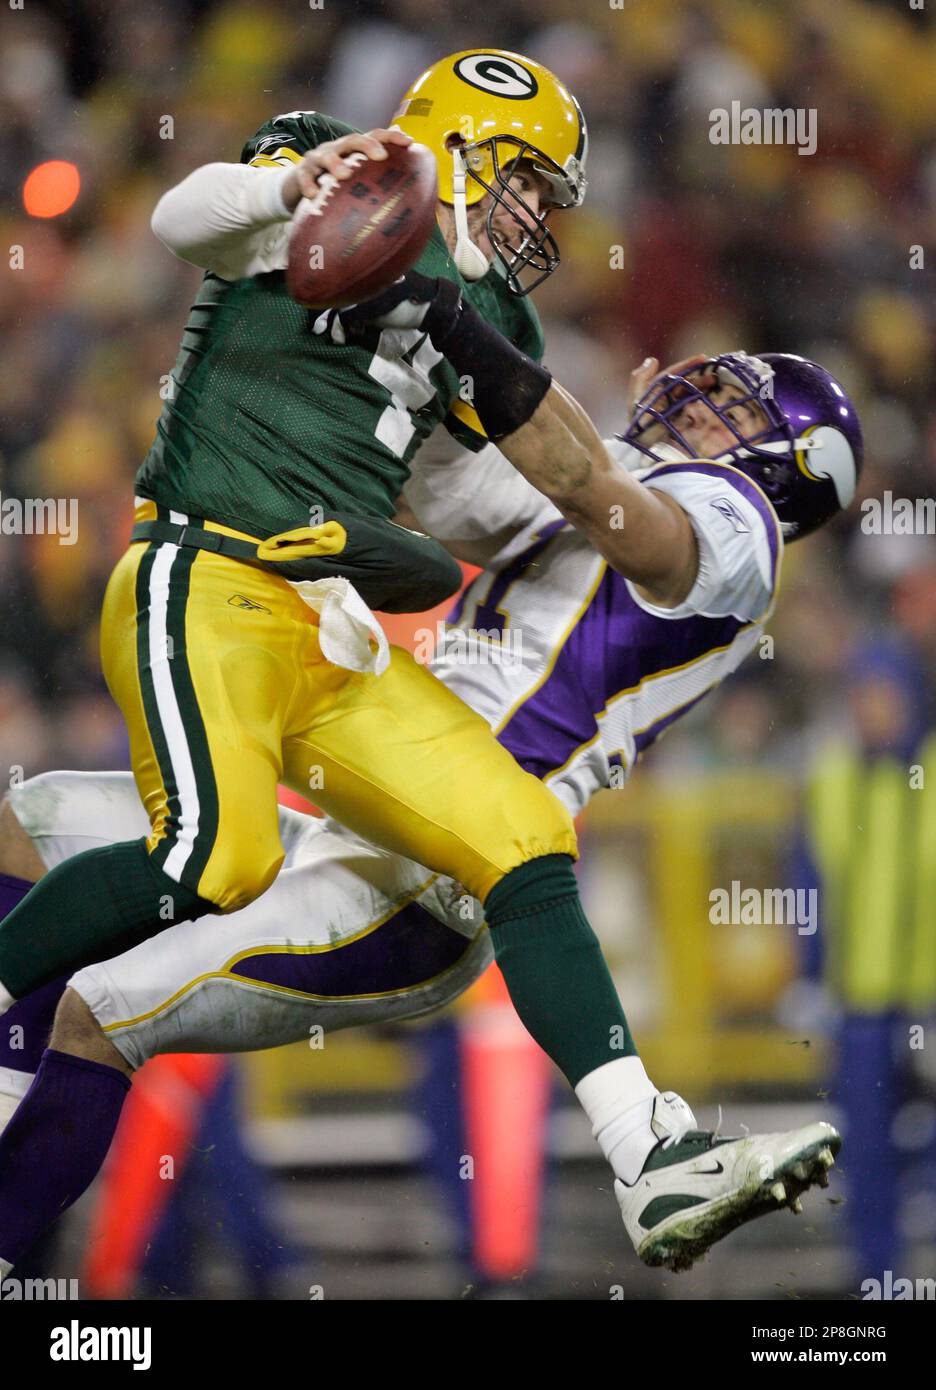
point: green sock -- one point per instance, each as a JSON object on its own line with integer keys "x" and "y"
{"x": 89, "y": 908}
{"x": 552, "y": 963}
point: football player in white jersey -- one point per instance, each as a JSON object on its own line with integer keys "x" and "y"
{"x": 352, "y": 934}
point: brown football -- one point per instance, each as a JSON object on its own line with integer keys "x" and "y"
{"x": 360, "y": 234}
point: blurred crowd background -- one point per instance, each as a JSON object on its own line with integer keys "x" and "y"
{"x": 714, "y": 247}
{"x": 719, "y": 246}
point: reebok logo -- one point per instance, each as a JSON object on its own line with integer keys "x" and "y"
{"x": 242, "y": 601}
{"x": 77, "y": 1343}
{"x": 270, "y": 142}
{"x": 731, "y": 513}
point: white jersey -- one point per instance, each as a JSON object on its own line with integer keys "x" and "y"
{"x": 576, "y": 672}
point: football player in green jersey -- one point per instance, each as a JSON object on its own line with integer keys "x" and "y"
{"x": 248, "y": 436}
{"x": 236, "y": 636}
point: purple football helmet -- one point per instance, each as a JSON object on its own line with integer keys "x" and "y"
{"x": 808, "y": 456}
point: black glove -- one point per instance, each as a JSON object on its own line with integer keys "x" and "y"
{"x": 506, "y": 385}
{"x": 413, "y": 301}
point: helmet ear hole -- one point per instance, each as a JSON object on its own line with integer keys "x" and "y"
{"x": 453, "y": 140}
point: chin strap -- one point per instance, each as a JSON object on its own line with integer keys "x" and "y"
{"x": 470, "y": 261}
{"x": 666, "y": 453}
{"x": 778, "y": 448}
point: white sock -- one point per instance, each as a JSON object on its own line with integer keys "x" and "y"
{"x": 618, "y": 1099}
{"x": 6, "y": 1000}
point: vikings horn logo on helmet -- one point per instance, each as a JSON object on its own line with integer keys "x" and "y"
{"x": 836, "y": 461}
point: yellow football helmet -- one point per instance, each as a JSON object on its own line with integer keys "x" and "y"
{"x": 480, "y": 112}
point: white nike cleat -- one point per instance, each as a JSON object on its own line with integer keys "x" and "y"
{"x": 697, "y": 1186}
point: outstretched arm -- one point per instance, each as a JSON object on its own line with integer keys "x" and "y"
{"x": 642, "y": 533}
{"x": 547, "y": 436}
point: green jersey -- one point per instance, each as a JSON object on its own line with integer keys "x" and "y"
{"x": 268, "y": 419}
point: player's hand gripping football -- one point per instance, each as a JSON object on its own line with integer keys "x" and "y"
{"x": 331, "y": 158}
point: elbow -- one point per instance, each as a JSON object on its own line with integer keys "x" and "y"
{"x": 180, "y": 218}
{"x": 161, "y": 220}
{"x": 567, "y": 477}
{"x": 166, "y": 222}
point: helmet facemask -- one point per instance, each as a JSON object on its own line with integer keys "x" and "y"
{"x": 805, "y": 454}
{"x": 654, "y": 418}
{"x": 481, "y": 111}
{"x": 533, "y": 251}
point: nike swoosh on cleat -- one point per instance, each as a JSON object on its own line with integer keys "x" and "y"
{"x": 706, "y": 1172}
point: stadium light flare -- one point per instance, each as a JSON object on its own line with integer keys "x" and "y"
{"x": 51, "y": 188}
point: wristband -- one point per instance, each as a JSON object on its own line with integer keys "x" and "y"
{"x": 506, "y": 384}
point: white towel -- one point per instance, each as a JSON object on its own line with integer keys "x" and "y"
{"x": 346, "y": 625}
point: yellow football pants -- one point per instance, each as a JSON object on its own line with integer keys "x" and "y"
{"x": 217, "y": 669}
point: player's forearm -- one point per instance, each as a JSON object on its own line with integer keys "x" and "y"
{"x": 640, "y": 532}
{"x": 215, "y": 214}
{"x": 558, "y": 450}
{"x": 550, "y": 440}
